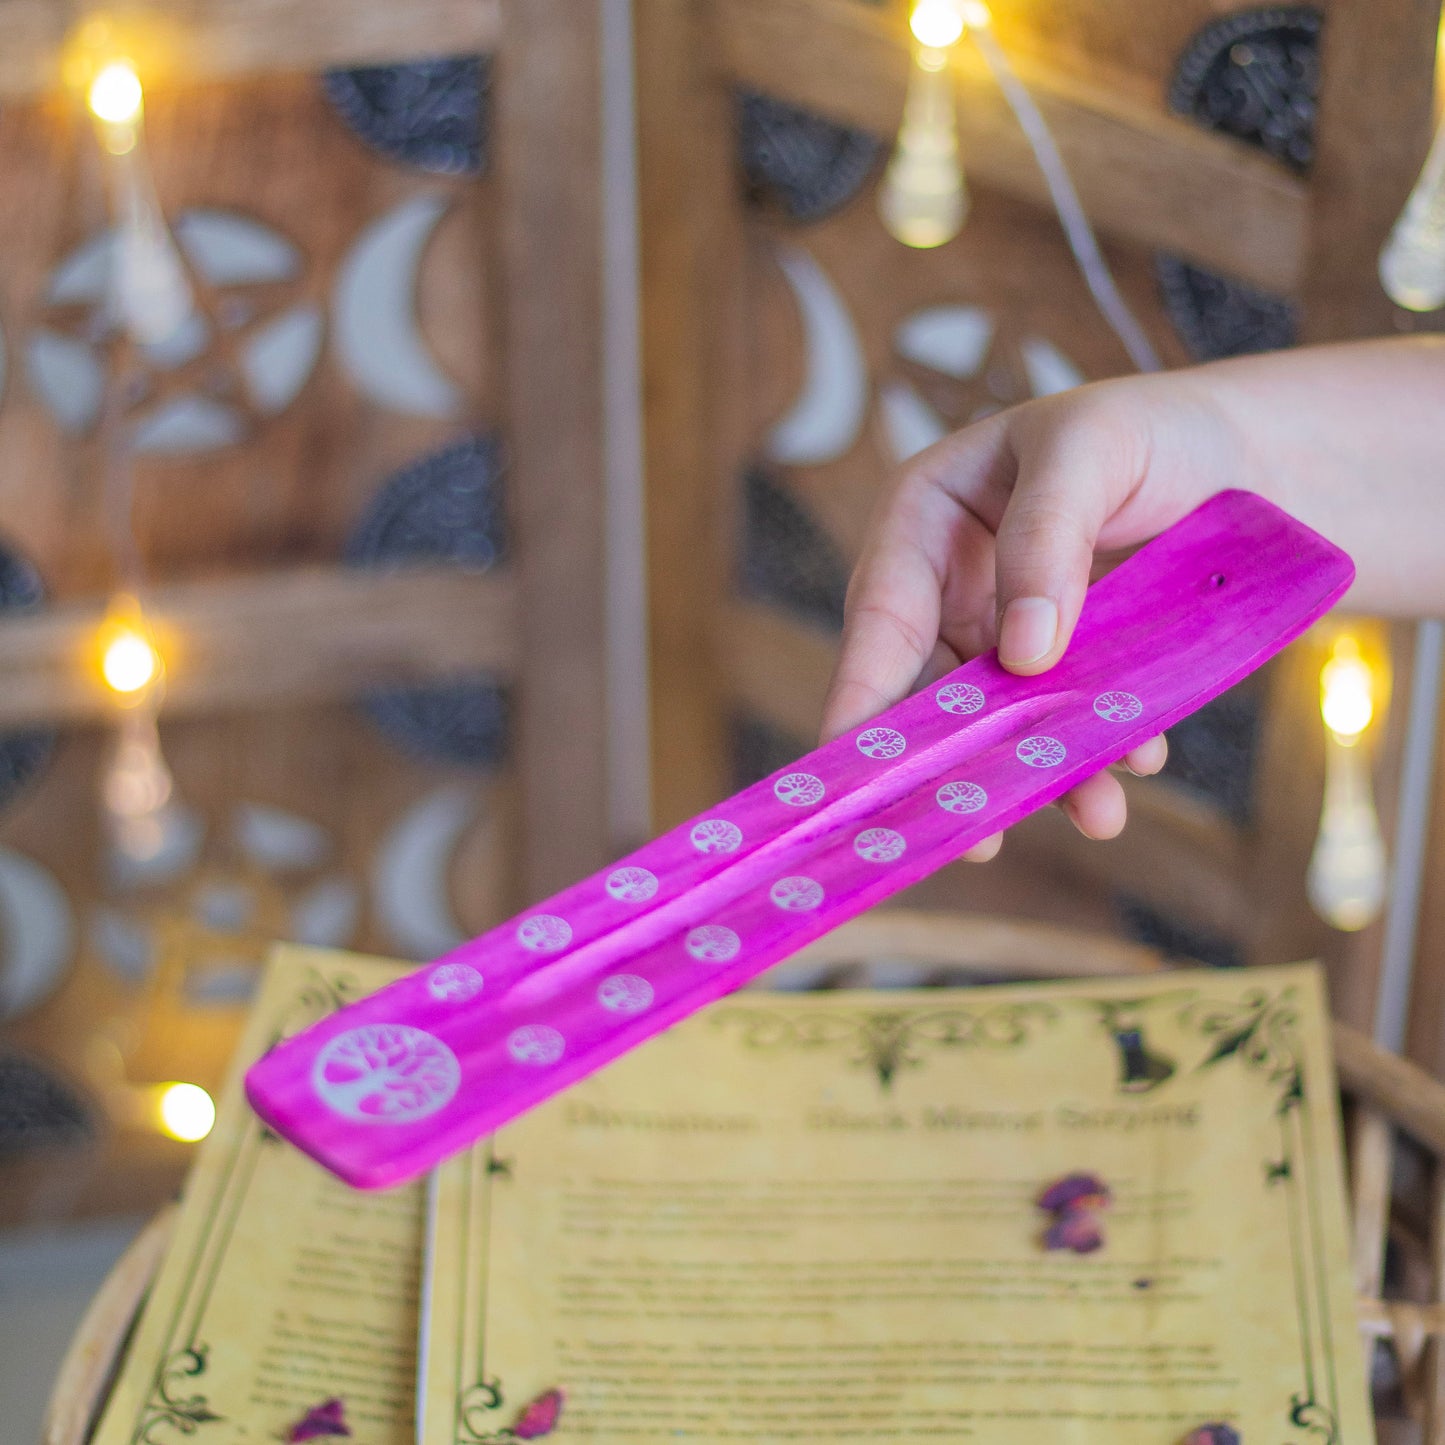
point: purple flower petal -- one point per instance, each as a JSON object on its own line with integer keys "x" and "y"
{"x": 1075, "y": 1190}
{"x": 327, "y": 1418}
{"x": 1074, "y": 1229}
{"x": 540, "y": 1417}
{"x": 1214, "y": 1433}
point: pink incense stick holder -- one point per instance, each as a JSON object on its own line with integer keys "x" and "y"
{"x": 388, "y": 1087}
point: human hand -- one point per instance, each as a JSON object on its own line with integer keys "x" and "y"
{"x": 990, "y": 538}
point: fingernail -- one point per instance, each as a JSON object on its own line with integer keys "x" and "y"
{"x": 1028, "y": 631}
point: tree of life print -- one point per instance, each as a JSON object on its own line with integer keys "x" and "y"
{"x": 454, "y": 982}
{"x": 959, "y": 697}
{"x": 798, "y": 790}
{"x": 1118, "y": 706}
{"x": 881, "y": 743}
{"x": 797, "y": 895}
{"x": 712, "y": 943}
{"x": 624, "y": 993}
{"x": 961, "y": 797}
{"x": 631, "y": 885}
{"x": 538, "y": 1044}
{"x": 544, "y": 933}
{"x": 385, "y": 1074}
{"x": 1040, "y": 752}
{"x": 879, "y": 845}
{"x": 716, "y": 835}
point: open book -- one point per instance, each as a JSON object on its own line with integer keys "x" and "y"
{"x": 816, "y": 1217}
{"x": 799, "y": 1218}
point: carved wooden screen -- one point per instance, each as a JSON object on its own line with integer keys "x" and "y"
{"x": 366, "y": 501}
{"x": 1220, "y": 156}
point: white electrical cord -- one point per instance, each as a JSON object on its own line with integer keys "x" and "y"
{"x": 1076, "y": 226}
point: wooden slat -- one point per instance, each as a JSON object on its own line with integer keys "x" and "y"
{"x": 548, "y": 99}
{"x": 691, "y": 248}
{"x": 1391, "y": 1085}
{"x": 775, "y": 668}
{"x": 1379, "y": 1319}
{"x": 295, "y": 636}
{"x": 1289, "y": 767}
{"x": 215, "y": 39}
{"x": 1142, "y": 174}
{"x": 1433, "y": 1384}
{"x": 1425, "y": 1037}
{"x": 1372, "y": 1152}
{"x": 1377, "y": 66}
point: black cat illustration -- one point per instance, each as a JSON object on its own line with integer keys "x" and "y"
{"x": 1140, "y": 1068}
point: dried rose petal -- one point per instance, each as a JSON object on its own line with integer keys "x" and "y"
{"x": 1086, "y": 1191}
{"x": 1074, "y": 1229}
{"x": 327, "y": 1418}
{"x": 540, "y": 1417}
{"x": 1215, "y": 1433}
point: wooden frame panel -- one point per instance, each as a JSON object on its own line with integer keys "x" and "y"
{"x": 549, "y": 98}
{"x": 1142, "y": 174}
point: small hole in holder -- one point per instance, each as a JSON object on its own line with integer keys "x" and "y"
{"x": 1217, "y": 580}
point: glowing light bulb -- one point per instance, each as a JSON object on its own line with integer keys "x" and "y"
{"x": 922, "y": 200}
{"x": 186, "y": 1112}
{"x": 1347, "y": 874}
{"x": 936, "y": 24}
{"x": 129, "y": 661}
{"x": 1412, "y": 260}
{"x": 115, "y": 94}
{"x": 1347, "y": 701}
{"x": 150, "y": 293}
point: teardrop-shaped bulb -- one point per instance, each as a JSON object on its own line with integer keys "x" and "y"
{"x": 1347, "y": 871}
{"x": 923, "y": 200}
{"x": 1412, "y": 261}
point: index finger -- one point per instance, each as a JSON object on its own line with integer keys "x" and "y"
{"x": 891, "y": 617}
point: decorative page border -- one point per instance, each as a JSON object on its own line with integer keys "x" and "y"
{"x": 168, "y": 1413}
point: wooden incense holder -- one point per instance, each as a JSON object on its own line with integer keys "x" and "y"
{"x": 390, "y": 1086}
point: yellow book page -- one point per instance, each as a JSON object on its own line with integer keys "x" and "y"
{"x": 282, "y": 1287}
{"x": 813, "y": 1217}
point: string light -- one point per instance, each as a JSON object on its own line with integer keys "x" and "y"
{"x": 185, "y": 1112}
{"x": 1346, "y": 880}
{"x": 137, "y": 790}
{"x": 151, "y": 295}
{"x": 130, "y": 662}
{"x": 936, "y": 24}
{"x": 923, "y": 200}
{"x": 115, "y": 95}
{"x": 1412, "y": 260}
{"x": 1347, "y": 702}
{"x": 150, "y": 298}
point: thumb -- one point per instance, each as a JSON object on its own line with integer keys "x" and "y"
{"x": 1044, "y": 550}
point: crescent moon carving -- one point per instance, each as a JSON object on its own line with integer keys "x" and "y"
{"x": 279, "y": 840}
{"x": 38, "y": 931}
{"x": 68, "y": 377}
{"x": 952, "y": 340}
{"x": 123, "y": 943}
{"x": 325, "y": 916}
{"x": 825, "y": 419}
{"x": 409, "y": 873}
{"x": 374, "y": 314}
{"x": 1049, "y": 370}
{"x": 909, "y": 423}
